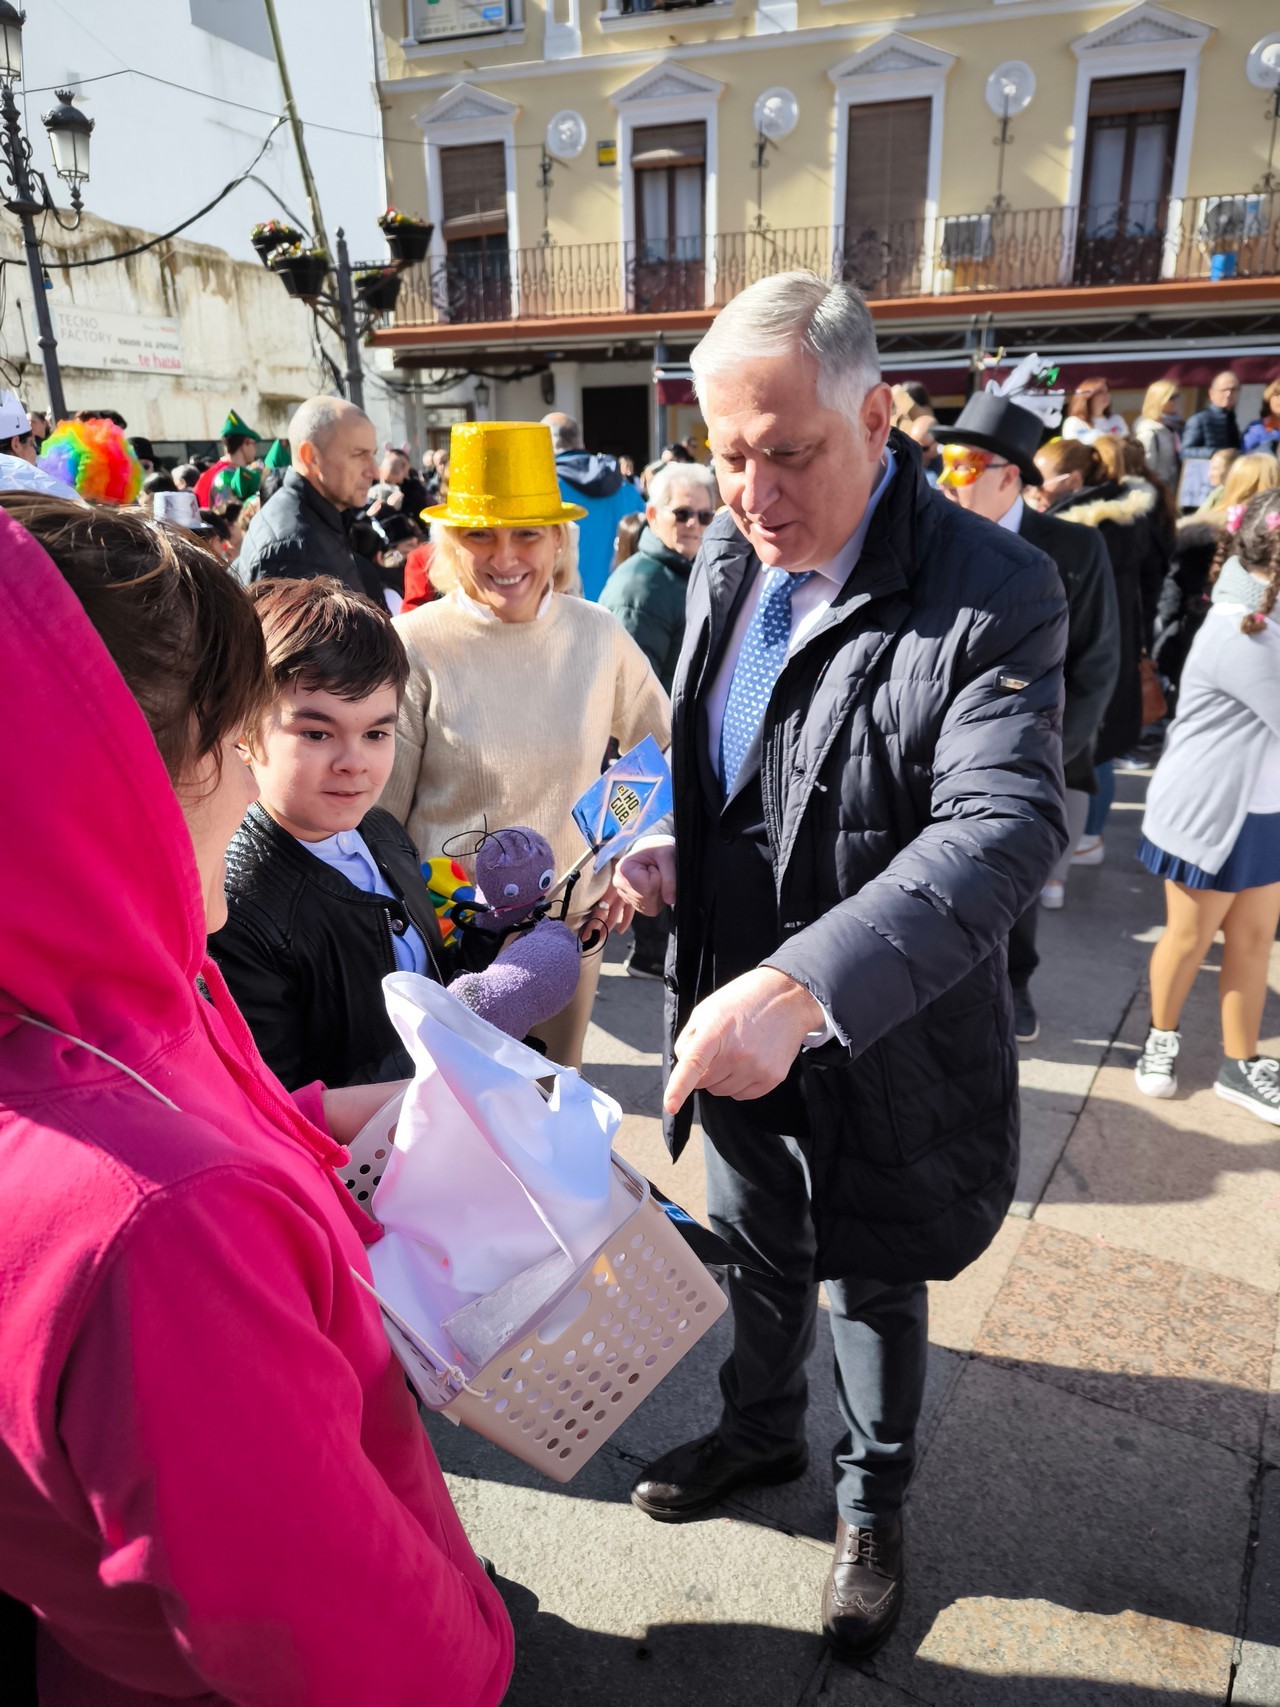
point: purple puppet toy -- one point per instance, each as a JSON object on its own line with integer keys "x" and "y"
{"x": 536, "y": 970}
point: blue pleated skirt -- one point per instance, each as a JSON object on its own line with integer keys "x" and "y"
{"x": 1253, "y": 862}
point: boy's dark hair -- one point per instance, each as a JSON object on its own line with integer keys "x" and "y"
{"x": 322, "y": 635}
{"x": 233, "y": 441}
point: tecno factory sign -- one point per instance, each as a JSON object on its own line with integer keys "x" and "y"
{"x": 108, "y": 338}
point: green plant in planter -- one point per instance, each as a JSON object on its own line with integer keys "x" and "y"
{"x": 272, "y": 234}
{"x": 301, "y": 269}
{"x": 378, "y": 287}
{"x": 407, "y": 238}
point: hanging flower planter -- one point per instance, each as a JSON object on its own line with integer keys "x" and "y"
{"x": 273, "y": 234}
{"x": 407, "y": 238}
{"x": 302, "y": 272}
{"x": 378, "y": 288}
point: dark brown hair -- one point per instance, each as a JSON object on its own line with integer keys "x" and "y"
{"x": 178, "y": 627}
{"x": 1256, "y": 542}
{"x": 1135, "y": 463}
{"x": 322, "y": 635}
{"x": 1070, "y": 456}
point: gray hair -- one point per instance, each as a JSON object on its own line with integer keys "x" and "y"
{"x": 566, "y": 433}
{"x": 315, "y": 419}
{"x": 796, "y": 311}
{"x": 673, "y": 474}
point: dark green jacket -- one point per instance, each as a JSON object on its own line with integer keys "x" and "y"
{"x": 646, "y": 594}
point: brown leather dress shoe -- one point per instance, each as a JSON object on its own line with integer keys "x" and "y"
{"x": 697, "y": 1475}
{"x": 863, "y": 1593}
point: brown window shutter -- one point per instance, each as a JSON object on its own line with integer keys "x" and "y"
{"x": 669, "y": 145}
{"x": 888, "y": 169}
{"x": 1155, "y": 94}
{"x": 474, "y": 189}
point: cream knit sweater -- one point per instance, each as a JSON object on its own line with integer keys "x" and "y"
{"x": 509, "y": 721}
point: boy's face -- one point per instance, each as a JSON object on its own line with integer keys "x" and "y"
{"x": 321, "y": 762}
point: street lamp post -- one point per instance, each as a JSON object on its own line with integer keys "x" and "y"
{"x": 69, "y": 131}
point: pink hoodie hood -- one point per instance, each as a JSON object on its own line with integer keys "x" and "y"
{"x": 206, "y": 1446}
{"x": 107, "y": 933}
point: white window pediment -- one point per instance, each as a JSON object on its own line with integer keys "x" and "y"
{"x": 674, "y": 83}
{"x": 464, "y": 105}
{"x": 893, "y": 56}
{"x": 1143, "y": 28}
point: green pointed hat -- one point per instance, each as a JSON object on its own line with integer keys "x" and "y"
{"x": 279, "y": 456}
{"x": 233, "y": 424}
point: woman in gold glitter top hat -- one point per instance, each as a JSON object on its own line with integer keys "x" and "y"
{"x": 516, "y": 686}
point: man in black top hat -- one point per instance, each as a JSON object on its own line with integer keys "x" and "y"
{"x": 989, "y": 456}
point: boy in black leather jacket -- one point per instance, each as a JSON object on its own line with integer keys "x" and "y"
{"x": 324, "y": 892}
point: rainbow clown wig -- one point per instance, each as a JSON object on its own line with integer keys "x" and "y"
{"x": 95, "y": 458}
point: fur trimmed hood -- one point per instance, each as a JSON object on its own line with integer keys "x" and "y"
{"x": 1124, "y": 504}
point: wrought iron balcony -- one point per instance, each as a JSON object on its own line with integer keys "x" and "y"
{"x": 1234, "y": 236}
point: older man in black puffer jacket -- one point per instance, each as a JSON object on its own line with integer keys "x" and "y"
{"x": 867, "y": 754}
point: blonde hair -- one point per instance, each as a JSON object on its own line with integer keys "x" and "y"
{"x": 1160, "y": 393}
{"x": 1249, "y": 475}
{"x": 447, "y": 570}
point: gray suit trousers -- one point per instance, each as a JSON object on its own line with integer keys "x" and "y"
{"x": 758, "y": 1201}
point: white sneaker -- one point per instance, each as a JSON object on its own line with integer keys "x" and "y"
{"x": 1155, "y": 1074}
{"x": 1090, "y": 851}
{"x": 1053, "y": 896}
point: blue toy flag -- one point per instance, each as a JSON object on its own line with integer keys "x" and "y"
{"x": 628, "y": 799}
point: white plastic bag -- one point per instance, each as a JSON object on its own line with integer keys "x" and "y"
{"x": 490, "y": 1175}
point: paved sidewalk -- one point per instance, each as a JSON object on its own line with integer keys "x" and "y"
{"x": 1096, "y": 1518}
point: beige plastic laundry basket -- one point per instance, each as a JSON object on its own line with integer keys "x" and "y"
{"x": 569, "y": 1377}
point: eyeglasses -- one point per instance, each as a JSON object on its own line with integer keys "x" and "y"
{"x": 682, "y": 516}
{"x": 963, "y": 464}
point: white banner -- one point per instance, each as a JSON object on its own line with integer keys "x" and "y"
{"x": 108, "y": 338}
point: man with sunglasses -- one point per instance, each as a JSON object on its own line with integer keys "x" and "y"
{"x": 647, "y": 595}
{"x": 987, "y": 457}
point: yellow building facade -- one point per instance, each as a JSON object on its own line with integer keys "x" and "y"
{"x": 600, "y": 177}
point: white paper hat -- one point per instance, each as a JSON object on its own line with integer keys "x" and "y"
{"x": 14, "y": 420}
{"x": 180, "y": 508}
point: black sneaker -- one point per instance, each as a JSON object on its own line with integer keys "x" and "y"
{"x": 1156, "y": 1070}
{"x": 639, "y": 967}
{"x": 1026, "y": 1022}
{"x": 1254, "y": 1085}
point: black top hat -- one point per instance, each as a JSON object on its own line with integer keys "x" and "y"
{"x": 996, "y": 423}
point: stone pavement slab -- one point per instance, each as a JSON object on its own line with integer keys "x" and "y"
{"x": 1191, "y": 1179}
{"x": 1062, "y": 1552}
{"x": 1177, "y": 1345}
{"x": 1257, "y": 1681}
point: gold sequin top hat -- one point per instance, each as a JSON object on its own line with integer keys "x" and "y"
{"x": 502, "y": 474}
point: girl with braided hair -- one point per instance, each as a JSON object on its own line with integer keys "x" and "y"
{"x": 1212, "y": 823}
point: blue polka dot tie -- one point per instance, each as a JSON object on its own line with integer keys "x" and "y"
{"x": 760, "y": 661}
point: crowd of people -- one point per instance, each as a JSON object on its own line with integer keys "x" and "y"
{"x": 896, "y": 662}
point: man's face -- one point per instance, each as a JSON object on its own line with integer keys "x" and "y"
{"x": 344, "y": 464}
{"x": 1225, "y": 391}
{"x": 979, "y": 481}
{"x": 796, "y": 475}
{"x": 678, "y": 523}
{"x": 246, "y": 453}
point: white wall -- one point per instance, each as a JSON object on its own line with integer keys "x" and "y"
{"x": 159, "y": 153}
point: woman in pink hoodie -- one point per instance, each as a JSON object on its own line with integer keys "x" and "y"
{"x": 214, "y": 1485}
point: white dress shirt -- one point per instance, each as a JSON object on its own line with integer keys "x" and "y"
{"x": 1012, "y": 518}
{"x": 348, "y": 853}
